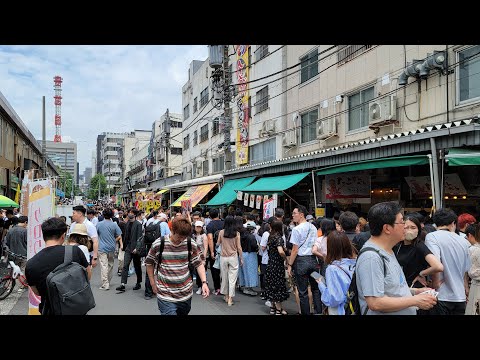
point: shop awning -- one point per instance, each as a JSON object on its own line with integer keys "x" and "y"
{"x": 273, "y": 185}
{"x": 227, "y": 194}
{"x": 460, "y": 157}
{"x": 195, "y": 194}
{"x": 375, "y": 164}
{"x": 162, "y": 191}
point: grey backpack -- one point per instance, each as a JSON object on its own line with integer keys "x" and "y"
{"x": 68, "y": 288}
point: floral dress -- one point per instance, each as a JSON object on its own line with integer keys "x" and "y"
{"x": 275, "y": 286}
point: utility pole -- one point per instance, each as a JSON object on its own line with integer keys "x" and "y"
{"x": 227, "y": 111}
{"x": 108, "y": 182}
{"x": 167, "y": 143}
{"x": 44, "y": 139}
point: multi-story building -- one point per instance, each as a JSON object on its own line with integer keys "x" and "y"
{"x": 135, "y": 157}
{"x": 368, "y": 107}
{"x": 94, "y": 163}
{"x": 64, "y": 156}
{"x": 87, "y": 175}
{"x": 19, "y": 151}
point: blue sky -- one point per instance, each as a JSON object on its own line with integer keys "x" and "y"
{"x": 105, "y": 87}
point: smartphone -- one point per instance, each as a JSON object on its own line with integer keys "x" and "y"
{"x": 315, "y": 275}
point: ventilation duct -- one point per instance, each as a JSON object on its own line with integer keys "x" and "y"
{"x": 437, "y": 60}
{"x": 412, "y": 69}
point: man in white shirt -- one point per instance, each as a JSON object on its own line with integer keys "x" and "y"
{"x": 91, "y": 216}
{"x": 78, "y": 216}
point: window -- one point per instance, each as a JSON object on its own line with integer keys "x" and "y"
{"x": 204, "y": 133}
{"x": 262, "y": 100}
{"x": 358, "y": 109}
{"x": 218, "y": 164}
{"x": 186, "y": 140}
{"x": 309, "y": 126}
{"x": 186, "y": 112}
{"x": 195, "y": 138}
{"x": 205, "y": 167}
{"x": 264, "y": 151}
{"x": 216, "y": 127}
{"x": 309, "y": 66}
{"x": 204, "y": 97}
{"x": 469, "y": 74}
{"x": 195, "y": 105}
{"x": 176, "y": 151}
{"x": 176, "y": 124}
{"x": 348, "y": 52}
{"x": 261, "y": 52}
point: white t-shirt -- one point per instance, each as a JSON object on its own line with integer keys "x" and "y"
{"x": 264, "y": 242}
{"x": 94, "y": 221}
{"x": 152, "y": 220}
{"x": 91, "y": 230}
{"x": 85, "y": 252}
{"x": 304, "y": 236}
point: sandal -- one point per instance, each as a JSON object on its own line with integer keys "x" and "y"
{"x": 273, "y": 310}
{"x": 280, "y": 312}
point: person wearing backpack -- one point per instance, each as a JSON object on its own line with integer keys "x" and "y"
{"x": 45, "y": 261}
{"x": 338, "y": 275}
{"x": 381, "y": 284}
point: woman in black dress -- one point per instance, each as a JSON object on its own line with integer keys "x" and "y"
{"x": 275, "y": 285}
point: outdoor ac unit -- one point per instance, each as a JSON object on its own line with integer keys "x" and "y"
{"x": 290, "y": 139}
{"x": 326, "y": 128}
{"x": 383, "y": 110}
{"x": 268, "y": 127}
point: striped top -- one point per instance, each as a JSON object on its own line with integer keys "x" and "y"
{"x": 173, "y": 279}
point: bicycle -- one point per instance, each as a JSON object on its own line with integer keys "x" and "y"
{"x": 9, "y": 273}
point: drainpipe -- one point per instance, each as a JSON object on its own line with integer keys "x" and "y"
{"x": 434, "y": 205}
{"x": 314, "y": 194}
{"x": 436, "y": 183}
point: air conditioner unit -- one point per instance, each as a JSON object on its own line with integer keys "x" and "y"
{"x": 290, "y": 139}
{"x": 268, "y": 127}
{"x": 382, "y": 111}
{"x": 326, "y": 128}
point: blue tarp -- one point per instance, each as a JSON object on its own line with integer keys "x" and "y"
{"x": 59, "y": 192}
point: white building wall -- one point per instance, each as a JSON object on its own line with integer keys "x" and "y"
{"x": 174, "y": 160}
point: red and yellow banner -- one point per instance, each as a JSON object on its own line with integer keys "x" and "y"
{"x": 243, "y": 112}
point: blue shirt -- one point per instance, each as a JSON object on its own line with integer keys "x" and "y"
{"x": 164, "y": 229}
{"x": 107, "y": 232}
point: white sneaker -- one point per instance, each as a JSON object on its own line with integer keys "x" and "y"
{"x": 268, "y": 303}
{"x": 199, "y": 291}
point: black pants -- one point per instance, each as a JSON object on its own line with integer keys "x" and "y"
{"x": 448, "y": 308}
{"x": 136, "y": 263}
{"x": 303, "y": 267}
{"x": 215, "y": 274}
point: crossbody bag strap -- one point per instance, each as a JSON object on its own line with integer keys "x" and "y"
{"x": 343, "y": 271}
{"x": 306, "y": 238}
{"x": 162, "y": 246}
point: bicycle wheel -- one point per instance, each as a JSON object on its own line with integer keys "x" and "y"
{"x": 7, "y": 284}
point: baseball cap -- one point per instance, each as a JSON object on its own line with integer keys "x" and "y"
{"x": 79, "y": 229}
{"x": 163, "y": 216}
{"x": 309, "y": 217}
{"x": 198, "y": 223}
{"x": 250, "y": 223}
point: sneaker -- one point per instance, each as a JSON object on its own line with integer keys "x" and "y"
{"x": 217, "y": 292}
{"x": 268, "y": 303}
{"x": 137, "y": 286}
{"x": 148, "y": 297}
{"x": 104, "y": 287}
{"x": 199, "y": 291}
{"x": 121, "y": 288}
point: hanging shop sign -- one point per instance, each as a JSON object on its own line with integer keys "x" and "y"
{"x": 347, "y": 186}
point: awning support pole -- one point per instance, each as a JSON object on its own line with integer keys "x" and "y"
{"x": 290, "y": 198}
{"x": 436, "y": 177}
{"x": 434, "y": 199}
{"x": 314, "y": 195}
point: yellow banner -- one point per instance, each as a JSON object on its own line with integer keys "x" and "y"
{"x": 243, "y": 112}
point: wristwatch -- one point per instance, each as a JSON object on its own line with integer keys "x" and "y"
{"x": 204, "y": 282}
{"x": 95, "y": 258}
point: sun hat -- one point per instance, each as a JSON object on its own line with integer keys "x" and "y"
{"x": 79, "y": 229}
{"x": 198, "y": 223}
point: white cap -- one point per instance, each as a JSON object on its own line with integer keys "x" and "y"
{"x": 309, "y": 217}
{"x": 163, "y": 216}
{"x": 198, "y": 223}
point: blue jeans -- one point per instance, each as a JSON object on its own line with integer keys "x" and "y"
{"x": 303, "y": 267}
{"x": 174, "y": 308}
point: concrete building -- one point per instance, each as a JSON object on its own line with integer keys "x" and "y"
{"x": 87, "y": 175}
{"x": 64, "y": 156}
{"x": 19, "y": 151}
{"x": 135, "y": 157}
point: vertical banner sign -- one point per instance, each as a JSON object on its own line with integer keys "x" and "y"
{"x": 259, "y": 202}
{"x": 239, "y": 195}
{"x": 245, "y": 199}
{"x": 268, "y": 209}
{"x": 243, "y": 111}
{"x": 252, "y": 200}
{"x": 27, "y": 177}
{"x": 40, "y": 207}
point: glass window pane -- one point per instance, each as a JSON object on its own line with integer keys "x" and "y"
{"x": 354, "y": 112}
{"x": 469, "y": 73}
{"x": 366, "y": 96}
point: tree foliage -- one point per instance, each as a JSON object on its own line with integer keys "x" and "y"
{"x": 93, "y": 187}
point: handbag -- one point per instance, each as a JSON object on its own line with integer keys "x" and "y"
{"x": 140, "y": 247}
{"x": 216, "y": 264}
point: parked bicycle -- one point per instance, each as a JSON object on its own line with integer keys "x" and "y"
{"x": 10, "y": 272}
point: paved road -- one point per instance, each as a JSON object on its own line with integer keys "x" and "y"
{"x": 133, "y": 303}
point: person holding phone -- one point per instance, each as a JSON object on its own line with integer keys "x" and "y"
{"x": 341, "y": 261}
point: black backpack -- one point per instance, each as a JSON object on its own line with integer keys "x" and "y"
{"x": 352, "y": 306}
{"x": 68, "y": 288}
{"x": 189, "y": 248}
{"x": 152, "y": 233}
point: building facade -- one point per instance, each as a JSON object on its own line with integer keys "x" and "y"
{"x": 135, "y": 158}
{"x": 64, "y": 156}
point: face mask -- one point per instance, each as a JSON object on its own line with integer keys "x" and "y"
{"x": 131, "y": 217}
{"x": 411, "y": 235}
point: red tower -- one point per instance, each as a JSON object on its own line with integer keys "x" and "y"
{"x": 57, "y": 80}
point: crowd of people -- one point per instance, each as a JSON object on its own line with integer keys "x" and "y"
{"x": 401, "y": 263}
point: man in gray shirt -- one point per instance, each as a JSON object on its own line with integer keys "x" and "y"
{"x": 384, "y": 290}
{"x": 16, "y": 241}
{"x": 452, "y": 250}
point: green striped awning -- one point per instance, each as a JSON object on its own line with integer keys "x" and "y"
{"x": 273, "y": 185}
{"x": 375, "y": 164}
{"x": 227, "y": 194}
{"x": 460, "y": 157}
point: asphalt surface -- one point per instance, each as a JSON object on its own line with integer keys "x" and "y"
{"x": 133, "y": 302}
